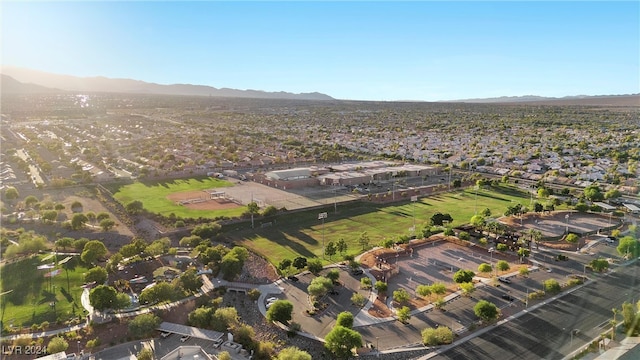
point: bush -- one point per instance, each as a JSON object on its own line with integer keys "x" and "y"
{"x": 93, "y": 343}
{"x": 439, "y": 336}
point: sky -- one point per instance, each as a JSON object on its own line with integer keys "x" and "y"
{"x": 417, "y": 50}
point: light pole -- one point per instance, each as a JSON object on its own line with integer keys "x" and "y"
{"x": 377, "y": 347}
{"x": 78, "y": 347}
{"x": 322, "y": 216}
{"x": 413, "y": 201}
{"x": 566, "y": 217}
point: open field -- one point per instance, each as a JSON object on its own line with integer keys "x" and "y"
{"x": 301, "y": 234}
{"x": 162, "y": 197}
{"x": 31, "y": 294}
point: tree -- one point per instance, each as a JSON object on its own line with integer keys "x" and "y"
{"x": 551, "y": 286}
{"x": 401, "y": 296}
{"x": 315, "y": 266}
{"x": 358, "y": 299}
{"x": 190, "y": 281}
{"x": 97, "y": 274}
{"x": 365, "y": 283}
{"x": 30, "y": 201}
{"x": 439, "y": 336}
{"x": 485, "y": 268}
{"x": 107, "y": 224}
{"x": 340, "y": 341}
{"x": 93, "y": 251}
{"x": 628, "y": 246}
{"x": 224, "y": 355}
{"x": 341, "y": 246}
{"x": 191, "y": 241}
{"x": 103, "y": 297}
{"x": 345, "y": 319}
{"x": 57, "y": 344}
{"x": 486, "y": 212}
{"x": 467, "y": 288}
{"x": 381, "y": 287}
{"x": 438, "y": 288}
{"x": 423, "y": 290}
{"x": 524, "y": 272}
{"x": 64, "y": 242}
{"x": 319, "y": 286}
{"x": 49, "y": 216}
{"x": 280, "y": 311}
{"x": 244, "y": 335}
{"x": 144, "y": 325}
{"x": 599, "y": 265}
{"x": 122, "y": 301}
{"x": 284, "y": 265}
{"x": 299, "y": 262}
{"x": 231, "y": 266}
{"x": 486, "y": 310}
{"x": 333, "y": 275}
{"x": 253, "y": 208}
{"x": 135, "y": 207}
{"x": 478, "y": 221}
{"x": 162, "y": 291}
{"x": 224, "y": 318}
{"x": 330, "y": 249}
{"x": 502, "y": 265}
{"x": 571, "y": 238}
{"x": 11, "y": 193}
{"x": 612, "y": 194}
{"x": 269, "y": 211}
{"x": 207, "y": 231}
{"x": 363, "y": 240}
{"x": 463, "y": 276}
{"x": 438, "y": 219}
{"x": 291, "y": 353}
{"x": 593, "y": 193}
{"x": 404, "y": 314}
{"x": 78, "y": 221}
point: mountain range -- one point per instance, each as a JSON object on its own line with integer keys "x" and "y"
{"x": 16, "y": 80}
{"x": 21, "y": 80}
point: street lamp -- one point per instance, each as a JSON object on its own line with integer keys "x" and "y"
{"x": 377, "y": 347}
{"x": 78, "y": 346}
{"x": 322, "y": 216}
{"x": 572, "y": 331}
{"x": 566, "y": 217}
{"x": 413, "y": 201}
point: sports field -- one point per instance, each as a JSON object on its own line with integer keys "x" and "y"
{"x": 172, "y": 196}
{"x": 29, "y": 297}
{"x": 301, "y": 233}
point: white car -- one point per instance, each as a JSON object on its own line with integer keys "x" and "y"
{"x": 272, "y": 299}
{"x": 185, "y": 338}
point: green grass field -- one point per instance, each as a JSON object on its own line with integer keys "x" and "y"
{"x": 301, "y": 234}
{"x": 30, "y": 293}
{"x": 154, "y": 196}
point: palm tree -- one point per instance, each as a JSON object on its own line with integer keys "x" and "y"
{"x": 613, "y": 323}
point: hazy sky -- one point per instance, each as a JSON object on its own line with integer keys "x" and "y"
{"x": 350, "y": 50}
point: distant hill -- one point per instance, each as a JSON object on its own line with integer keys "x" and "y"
{"x": 599, "y": 100}
{"x": 10, "y": 85}
{"x": 103, "y": 84}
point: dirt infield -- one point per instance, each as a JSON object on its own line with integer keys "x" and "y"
{"x": 199, "y": 200}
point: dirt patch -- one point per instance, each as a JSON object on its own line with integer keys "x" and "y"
{"x": 200, "y": 200}
{"x": 379, "y": 309}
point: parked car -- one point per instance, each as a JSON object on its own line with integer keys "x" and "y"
{"x": 504, "y": 280}
{"x": 272, "y": 299}
{"x": 185, "y": 338}
{"x": 357, "y": 272}
{"x": 508, "y": 297}
{"x": 292, "y": 278}
{"x": 334, "y": 292}
{"x": 165, "y": 335}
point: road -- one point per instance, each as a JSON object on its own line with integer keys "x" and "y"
{"x": 546, "y": 332}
